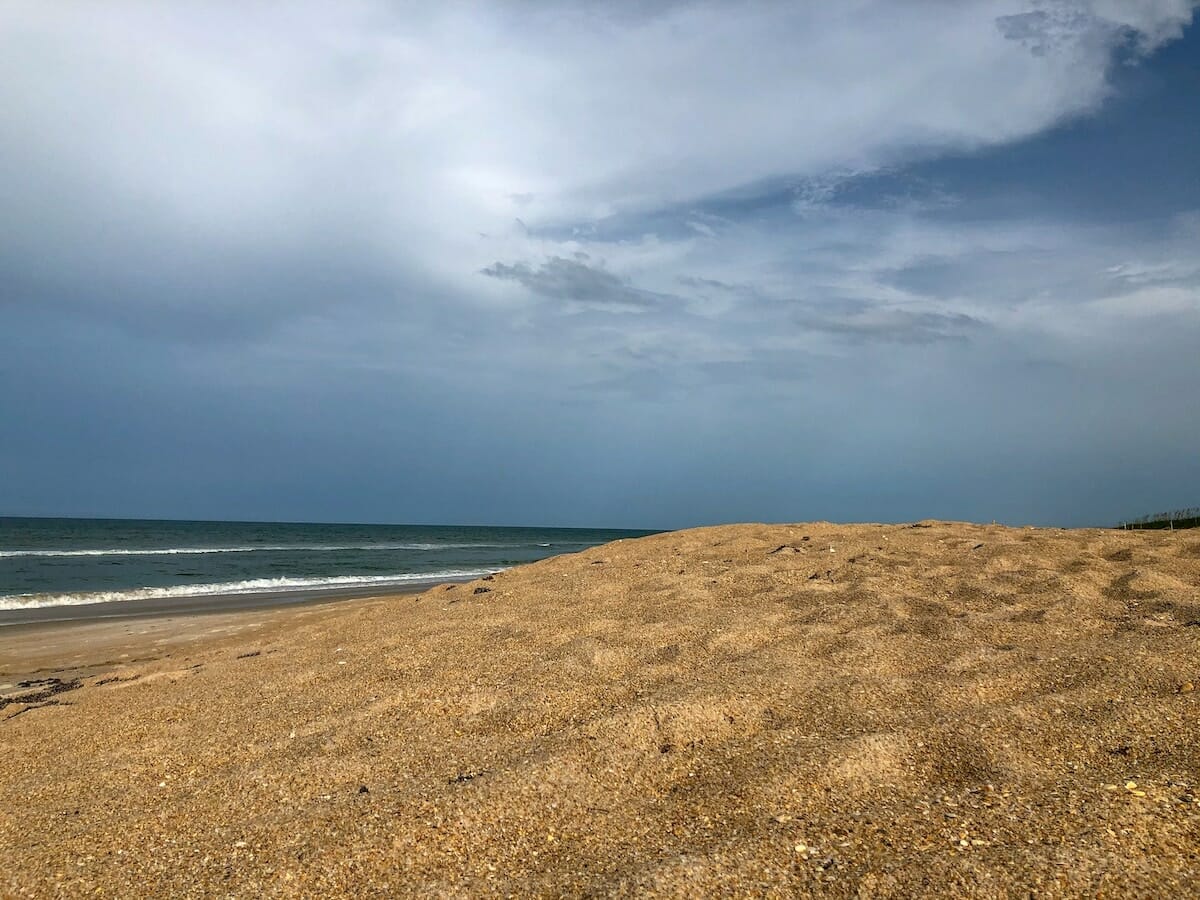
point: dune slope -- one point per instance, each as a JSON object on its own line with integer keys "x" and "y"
{"x": 843, "y": 710}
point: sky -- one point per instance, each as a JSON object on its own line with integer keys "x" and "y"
{"x": 600, "y": 264}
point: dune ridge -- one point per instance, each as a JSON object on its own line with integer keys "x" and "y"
{"x": 841, "y": 710}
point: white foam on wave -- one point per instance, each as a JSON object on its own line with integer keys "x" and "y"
{"x": 250, "y": 548}
{"x": 250, "y": 586}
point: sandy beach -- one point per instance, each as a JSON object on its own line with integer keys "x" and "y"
{"x": 880, "y": 711}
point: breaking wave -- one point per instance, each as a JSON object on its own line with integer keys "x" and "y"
{"x": 249, "y": 586}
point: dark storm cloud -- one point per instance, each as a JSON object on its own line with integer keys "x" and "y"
{"x": 857, "y": 320}
{"x": 188, "y": 294}
{"x": 1057, "y": 26}
{"x": 575, "y": 281}
{"x": 692, "y": 281}
{"x": 1045, "y": 32}
{"x": 891, "y": 325}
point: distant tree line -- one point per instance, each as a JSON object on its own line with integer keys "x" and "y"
{"x": 1179, "y": 518}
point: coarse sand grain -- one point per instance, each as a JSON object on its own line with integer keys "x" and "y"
{"x": 936, "y": 709}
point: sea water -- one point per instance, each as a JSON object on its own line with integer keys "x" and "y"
{"x": 71, "y": 562}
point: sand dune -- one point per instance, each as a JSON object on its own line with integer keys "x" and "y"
{"x": 940, "y": 709}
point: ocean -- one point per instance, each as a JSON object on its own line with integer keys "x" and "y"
{"x": 101, "y": 563}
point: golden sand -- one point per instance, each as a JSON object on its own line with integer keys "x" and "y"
{"x": 746, "y": 710}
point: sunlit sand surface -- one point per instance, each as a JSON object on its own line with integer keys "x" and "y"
{"x": 940, "y": 709}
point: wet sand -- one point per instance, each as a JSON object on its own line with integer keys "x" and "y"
{"x": 68, "y": 649}
{"x": 745, "y": 710}
{"x": 201, "y": 605}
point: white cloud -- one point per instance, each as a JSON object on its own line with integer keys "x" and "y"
{"x": 432, "y": 123}
{"x": 158, "y": 138}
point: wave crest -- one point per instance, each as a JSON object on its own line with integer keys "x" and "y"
{"x": 249, "y": 586}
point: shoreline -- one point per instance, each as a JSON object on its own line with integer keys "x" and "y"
{"x": 74, "y": 650}
{"x": 202, "y": 604}
{"x": 69, "y": 646}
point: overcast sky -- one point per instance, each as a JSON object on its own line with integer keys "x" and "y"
{"x": 643, "y": 264}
